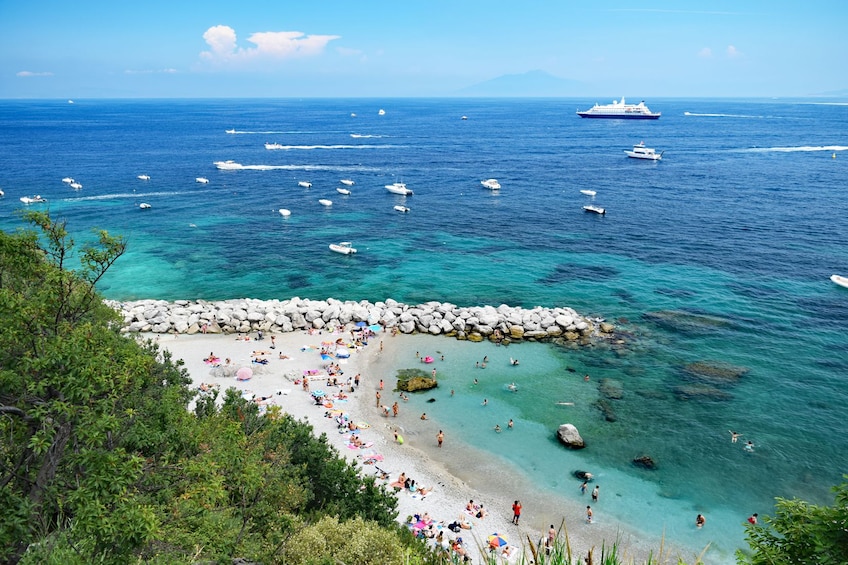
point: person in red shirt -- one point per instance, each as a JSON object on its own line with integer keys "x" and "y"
{"x": 516, "y": 512}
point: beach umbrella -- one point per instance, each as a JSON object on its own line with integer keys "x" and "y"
{"x": 326, "y": 357}
{"x": 497, "y": 540}
{"x": 361, "y": 324}
{"x": 244, "y": 374}
{"x": 375, "y": 328}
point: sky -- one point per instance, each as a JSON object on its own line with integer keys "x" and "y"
{"x": 411, "y": 48}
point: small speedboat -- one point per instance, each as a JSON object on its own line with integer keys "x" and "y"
{"x": 33, "y": 199}
{"x": 399, "y": 188}
{"x": 840, "y": 280}
{"x": 344, "y": 191}
{"x": 274, "y": 146}
{"x": 347, "y": 182}
{"x": 67, "y": 180}
{"x": 143, "y": 177}
{"x": 231, "y": 131}
{"x": 145, "y": 206}
{"x": 639, "y": 151}
{"x": 305, "y": 184}
{"x": 595, "y": 209}
{"x": 403, "y": 209}
{"x": 464, "y": 118}
{"x": 2, "y": 193}
{"x": 588, "y": 192}
{"x": 343, "y": 247}
{"x": 325, "y": 202}
{"x": 228, "y": 165}
{"x": 285, "y": 213}
{"x": 202, "y": 180}
{"x": 75, "y": 185}
{"x": 381, "y": 112}
{"x": 491, "y": 184}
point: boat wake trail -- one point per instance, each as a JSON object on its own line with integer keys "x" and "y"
{"x": 365, "y": 136}
{"x": 803, "y": 148}
{"x": 232, "y": 166}
{"x": 307, "y": 147}
{"x": 693, "y": 114}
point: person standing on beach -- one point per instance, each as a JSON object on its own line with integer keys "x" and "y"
{"x": 589, "y": 514}
{"x": 273, "y": 342}
{"x": 378, "y": 399}
{"x": 381, "y": 384}
{"x": 440, "y": 437}
{"x": 395, "y": 409}
{"x": 356, "y": 380}
{"x": 595, "y": 493}
{"x": 516, "y": 512}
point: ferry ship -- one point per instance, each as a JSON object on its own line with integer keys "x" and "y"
{"x": 620, "y": 110}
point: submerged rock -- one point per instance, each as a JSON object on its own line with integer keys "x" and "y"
{"x": 715, "y": 373}
{"x": 645, "y": 462}
{"x": 411, "y": 380}
{"x": 700, "y": 392}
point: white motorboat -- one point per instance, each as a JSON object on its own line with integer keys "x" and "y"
{"x": 143, "y": 177}
{"x": 343, "y": 247}
{"x": 228, "y": 165}
{"x": 464, "y": 118}
{"x": 67, "y": 180}
{"x": 305, "y": 184}
{"x": 285, "y": 213}
{"x": 2, "y": 193}
{"x": 274, "y": 146}
{"x": 399, "y": 188}
{"x": 588, "y": 192}
{"x": 344, "y": 191}
{"x": 840, "y": 280}
{"x": 325, "y": 202}
{"x": 403, "y": 209}
{"x": 33, "y": 199}
{"x": 75, "y": 185}
{"x": 595, "y": 209}
{"x": 620, "y": 110}
{"x": 347, "y": 182}
{"x": 202, "y": 180}
{"x": 639, "y": 151}
{"x": 231, "y": 131}
{"x": 491, "y": 184}
{"x": 145, "y": 206}
{"x": 381, "y": 112}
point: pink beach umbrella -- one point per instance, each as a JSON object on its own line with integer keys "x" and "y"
{"x": 244, "y": 374}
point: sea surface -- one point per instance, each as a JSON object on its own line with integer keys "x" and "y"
{"x": 717, "y": 256}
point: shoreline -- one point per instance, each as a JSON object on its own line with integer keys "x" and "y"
{"x": 494, "y": 483}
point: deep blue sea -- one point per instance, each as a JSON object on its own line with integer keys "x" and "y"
{"x": 721, "y": 253}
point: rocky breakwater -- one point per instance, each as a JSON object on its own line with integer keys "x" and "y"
{"x": 475, "y": 323}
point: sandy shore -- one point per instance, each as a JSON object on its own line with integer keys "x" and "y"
{"x": 419, "y": 457}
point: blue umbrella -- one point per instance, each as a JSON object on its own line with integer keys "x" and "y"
{"x": 325, "y": 357}
{"x": 375, "y": 328}
{"x": 361, "y": 324}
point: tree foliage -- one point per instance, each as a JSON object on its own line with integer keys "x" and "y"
{"x": 801, "y": 533}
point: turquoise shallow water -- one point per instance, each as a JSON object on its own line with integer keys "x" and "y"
{"x": 721, "y": 253}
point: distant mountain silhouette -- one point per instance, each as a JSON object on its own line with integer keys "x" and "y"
{"x": 531, "y": 83}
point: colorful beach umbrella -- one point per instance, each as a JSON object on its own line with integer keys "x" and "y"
{"x": 244, "y": 374}
{"x": 497, "y": 540}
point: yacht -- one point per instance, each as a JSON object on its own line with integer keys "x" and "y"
{"x": 639, "y": 151}
{"x": 202, "y": 180}
{"x": 33, "y": 199}
{"x": 143, "y": 177}
{"x": 588, "y": 192}
{"x": 399, "y": 188}
{"x": 620, "y": 110}
{"x": 343, "y": 247}
{"x": 228, "y": 165}
{"x": 491, "y": 184}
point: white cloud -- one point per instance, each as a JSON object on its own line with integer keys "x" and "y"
{"x": 269, "y": 45}
{"x": 32, "y": 74}
{"x": 705, "y": 53}
{"x": 150, "y": 72}
{"x": 732, "y": 51}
